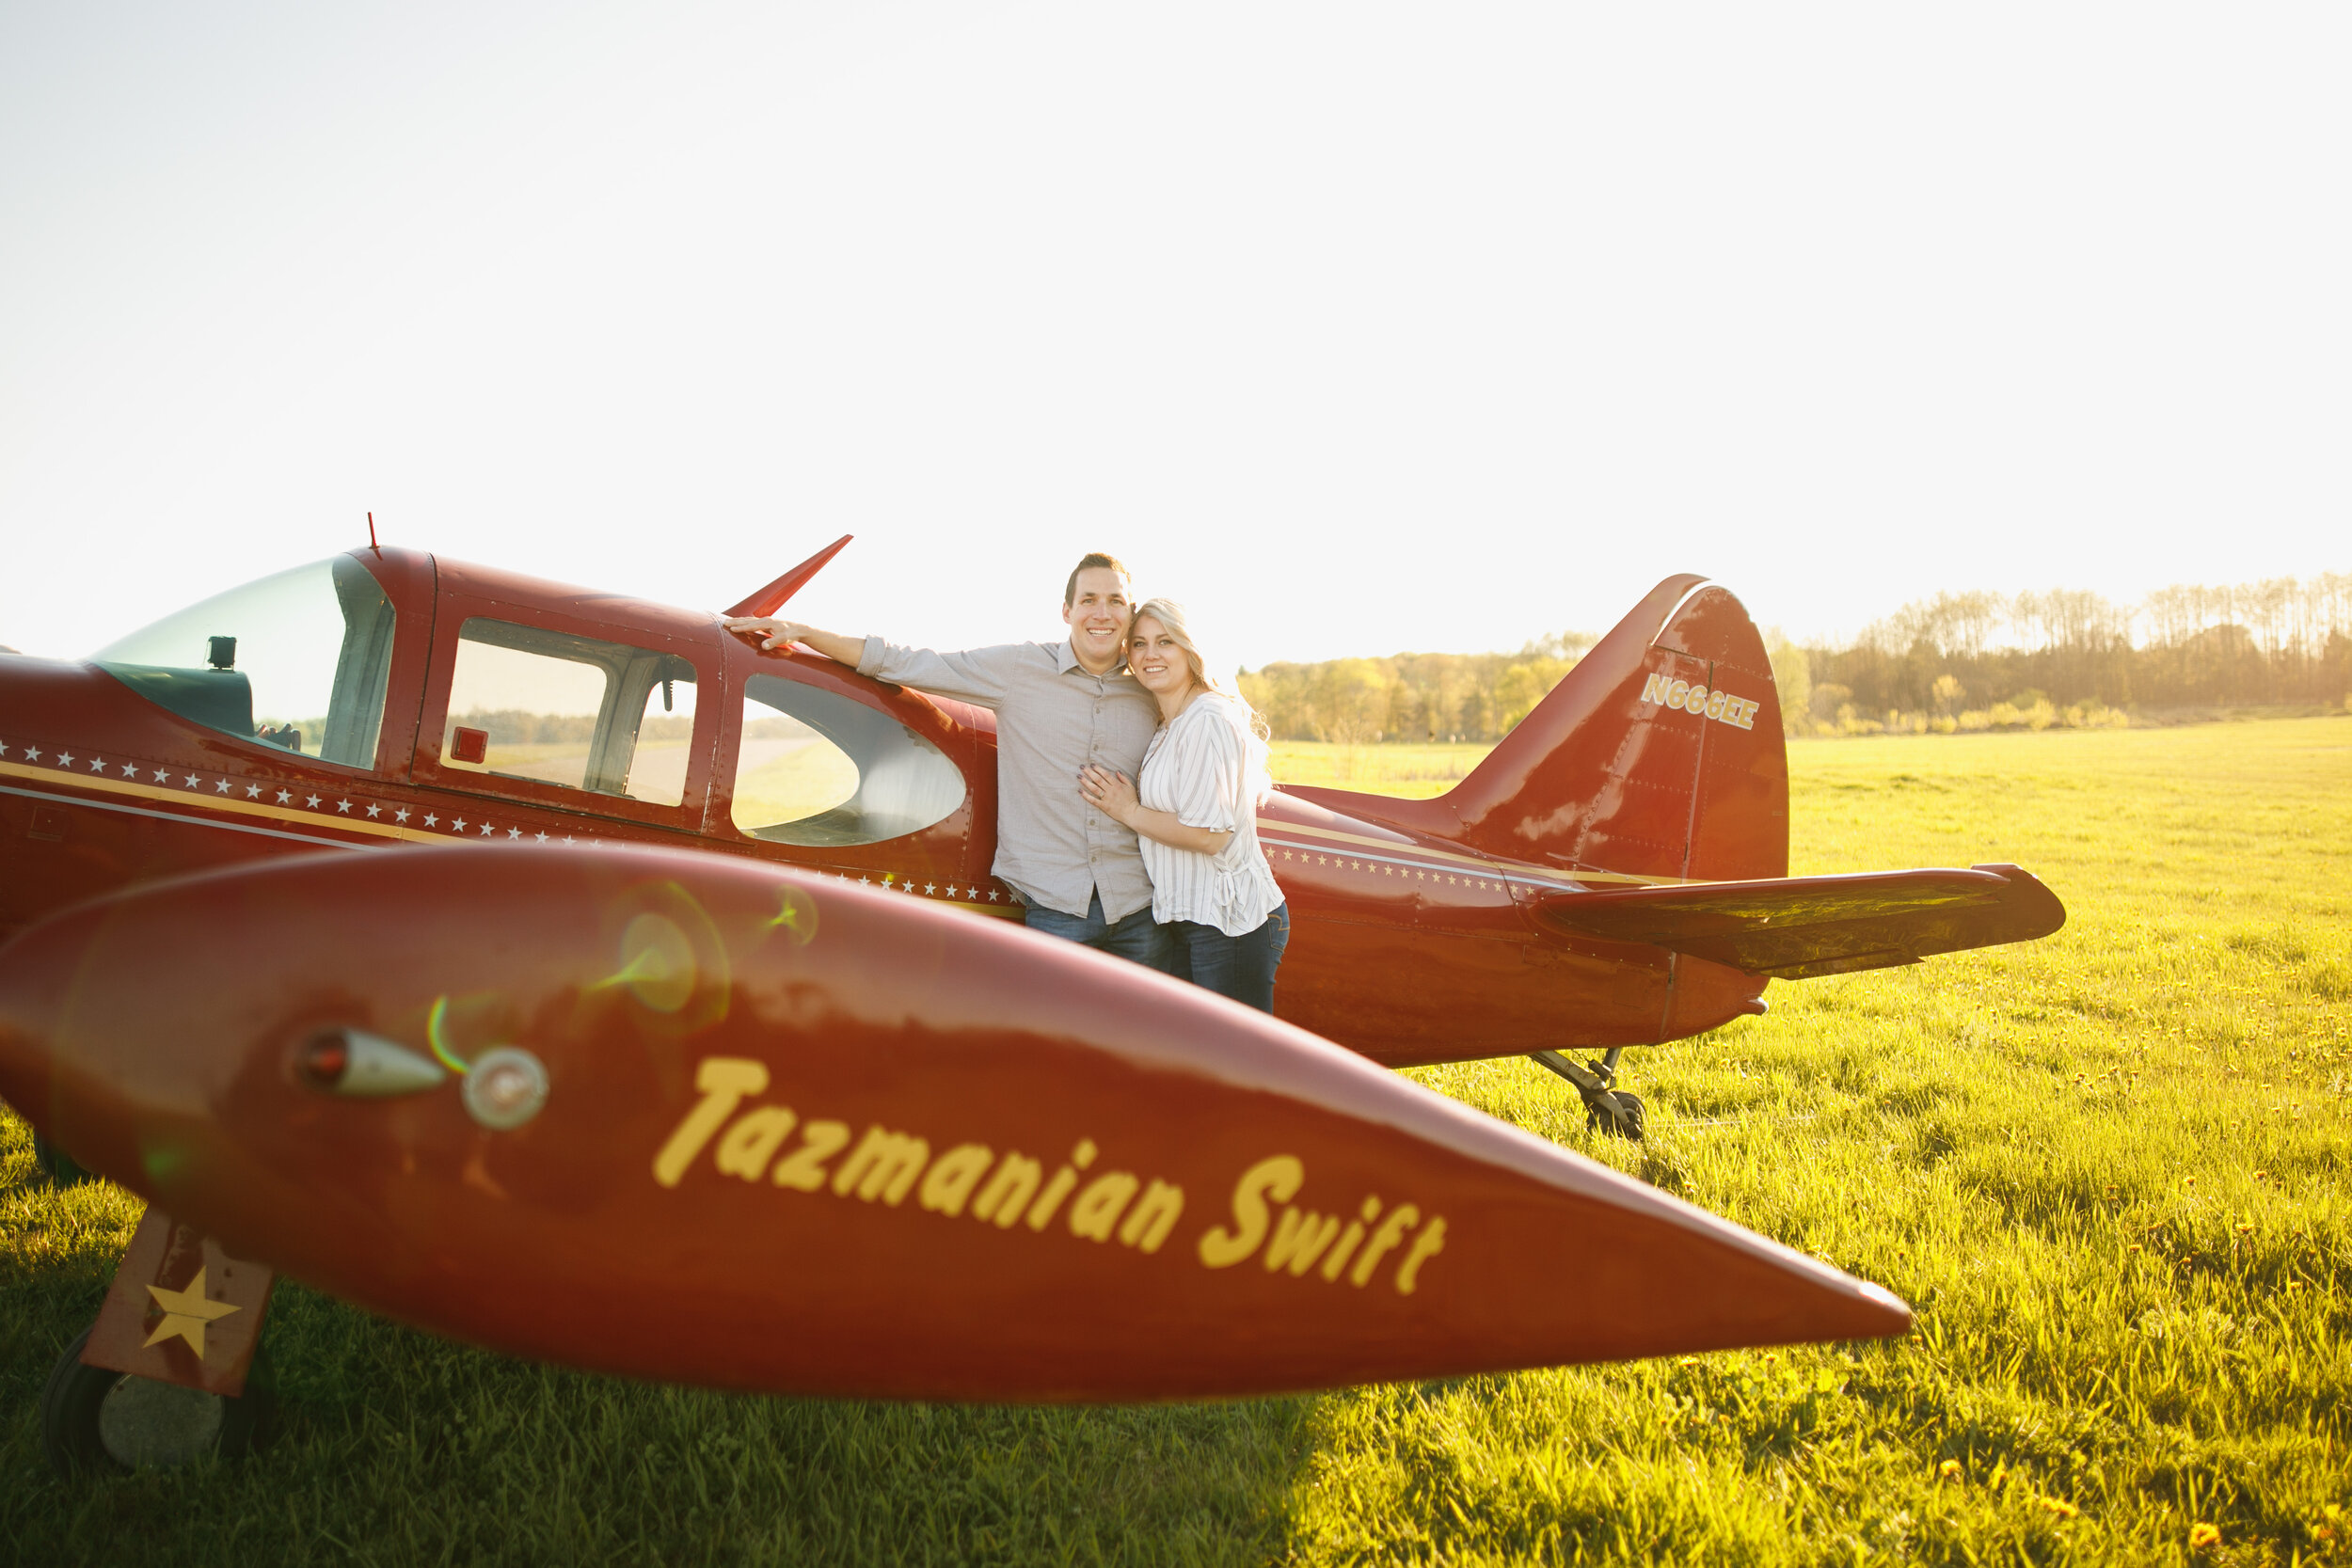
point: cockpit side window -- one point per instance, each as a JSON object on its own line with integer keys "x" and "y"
{"x": 555, "y": 707}
{"x": 817, "y": 769}
{"x": 301, "y": 659}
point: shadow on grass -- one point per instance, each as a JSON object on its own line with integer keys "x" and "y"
{"x": 397, "y": 1446}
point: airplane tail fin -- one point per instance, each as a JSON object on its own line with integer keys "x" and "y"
{"x": 1658, "y": 757}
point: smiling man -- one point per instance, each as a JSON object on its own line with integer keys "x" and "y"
{"x": 1058, "y": 707}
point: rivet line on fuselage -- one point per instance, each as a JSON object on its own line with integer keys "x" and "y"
{"x": 341, "y": 811}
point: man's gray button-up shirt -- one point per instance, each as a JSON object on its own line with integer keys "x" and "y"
{"x": 1052, "y": 718}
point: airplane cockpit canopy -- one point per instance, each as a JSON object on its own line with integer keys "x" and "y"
{"x": 300, "y": 659}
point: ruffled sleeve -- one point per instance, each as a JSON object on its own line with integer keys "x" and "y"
{"x": 1206, "y": 761}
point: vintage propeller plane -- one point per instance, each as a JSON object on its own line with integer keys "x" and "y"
{"x": 680, "y": 1043}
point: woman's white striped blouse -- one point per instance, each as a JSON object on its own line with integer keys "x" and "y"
{"x": 1207, "y": 767}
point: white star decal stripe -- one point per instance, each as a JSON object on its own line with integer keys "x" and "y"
{"x": 248, "y": 794}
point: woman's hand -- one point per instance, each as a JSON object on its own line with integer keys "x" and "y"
{"x": 1112, "y": 794}
{"x": 780, "y": 633}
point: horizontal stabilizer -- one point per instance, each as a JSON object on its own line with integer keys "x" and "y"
{"x": 1790, "y": 927}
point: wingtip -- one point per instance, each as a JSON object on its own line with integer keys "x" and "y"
{"x": 1890, "y": 1313}
{"x": 2031, "y": 897}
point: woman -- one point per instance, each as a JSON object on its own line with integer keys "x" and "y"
{"x": 1197, "y": 815}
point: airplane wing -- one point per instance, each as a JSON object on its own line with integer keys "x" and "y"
{"x": 673, "y": 1115}
{"x": 1791, "y": 928}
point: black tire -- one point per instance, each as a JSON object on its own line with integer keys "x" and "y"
{"x": 164, "y": 1425}
{"x": 1630, "y": 1106}
{"x": 1626, "y": 1123}
{"x": 56, "y": 1164}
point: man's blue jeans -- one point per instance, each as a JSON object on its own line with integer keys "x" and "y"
{"x": 1136, "y": 937}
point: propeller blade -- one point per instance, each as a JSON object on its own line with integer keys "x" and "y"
{"x": 771, "y": 598}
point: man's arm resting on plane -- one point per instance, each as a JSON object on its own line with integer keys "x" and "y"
{"x": 976, "y": 675}
{"x": 780, "y": 633}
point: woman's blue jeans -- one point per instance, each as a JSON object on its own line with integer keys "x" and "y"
{"x": 1240, "y": 967}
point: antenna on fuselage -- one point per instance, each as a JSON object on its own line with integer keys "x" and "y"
{"x": 372, "y": 543}
{"x": 771, "y": 598}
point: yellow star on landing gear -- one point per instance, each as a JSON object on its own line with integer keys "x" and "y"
{"x": 185, "y": 1313}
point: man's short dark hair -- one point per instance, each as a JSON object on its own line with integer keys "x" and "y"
{"x": 1088, "y": 562}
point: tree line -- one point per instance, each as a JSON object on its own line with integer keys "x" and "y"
{"x": 1985, "y": 660}
{"x": 1411, "y": 696}
{"x": 1957, "y": 662}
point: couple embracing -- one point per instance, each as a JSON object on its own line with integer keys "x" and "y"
{"x": 1127, "y": 781}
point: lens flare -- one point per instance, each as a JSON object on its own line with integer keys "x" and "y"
{"x": 796, "y": 915}
{"x": 657, "y": 963}
{"x": 672, "y": 963}
{"x": 436, "y": 1035}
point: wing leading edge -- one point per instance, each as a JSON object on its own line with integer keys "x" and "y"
{"x": 1792, "y": 927}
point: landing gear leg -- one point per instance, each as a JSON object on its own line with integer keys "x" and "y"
{"x": 172, "y": 1369}
{"x": 1612, "y": 1112}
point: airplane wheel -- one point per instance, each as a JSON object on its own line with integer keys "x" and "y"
{"x": 1625, "y": 1123}
{"x": 101, "y": 1422}
{"x": 54, "y": 1164}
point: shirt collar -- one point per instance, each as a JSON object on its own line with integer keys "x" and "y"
{"x": 1070, "y": 663}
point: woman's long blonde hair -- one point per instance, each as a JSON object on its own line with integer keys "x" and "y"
{"x": 1170, "y": 614}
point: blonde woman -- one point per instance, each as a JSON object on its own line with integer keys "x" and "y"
{"x": 1194, "y": 808}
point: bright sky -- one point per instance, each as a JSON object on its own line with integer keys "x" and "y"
{"x": 1361, "y": 328}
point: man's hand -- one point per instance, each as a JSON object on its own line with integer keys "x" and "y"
{"x": 777, "y": 632}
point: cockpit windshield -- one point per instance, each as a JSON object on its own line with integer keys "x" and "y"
{"x": 299, "y": 660}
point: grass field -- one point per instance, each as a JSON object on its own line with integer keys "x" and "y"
{"x": 2109, "y": 1169}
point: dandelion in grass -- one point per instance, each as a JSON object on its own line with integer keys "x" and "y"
{"x": 2201, "y": 1535}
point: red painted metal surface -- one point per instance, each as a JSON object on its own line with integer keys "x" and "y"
{"x": 1793, "y": 929}
{"x": 771, "y": 598}
{"x": 809, "y": 1136}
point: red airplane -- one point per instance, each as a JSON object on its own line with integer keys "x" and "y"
{"x": 808, "y": 1125}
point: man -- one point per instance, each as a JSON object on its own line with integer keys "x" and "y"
{"x": 1058, "y": 707}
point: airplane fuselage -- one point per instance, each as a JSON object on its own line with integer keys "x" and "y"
{"x": 1406, "y": 946}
